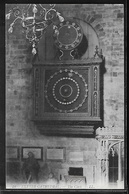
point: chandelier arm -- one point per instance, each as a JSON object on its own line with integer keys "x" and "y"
{"x": 49, "y": 11}
{"x": 30, "y": 39}
{"x": 34, "y": 22}
{"x": 27, "y": 26}
{"x": 31, "y": 25}
{"x": 16, "y": 20}
{"x": 53, "y": 5}
{"x": 34, "y": 18}
{"x": 41, "y": 29}
{"x": 28, "y": 18}
{"x": 43, "y": 8}
{"x": 29, "y": 5}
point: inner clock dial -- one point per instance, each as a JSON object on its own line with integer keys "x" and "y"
{"x": 66, "y": 91}
{"x": 67, "y": 35}
{"x": 63, "y": 90}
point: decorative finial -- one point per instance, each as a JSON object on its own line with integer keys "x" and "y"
{"x": 98, "y": 54}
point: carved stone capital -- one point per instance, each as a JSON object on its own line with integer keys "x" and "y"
{"x": 109, "y": 133}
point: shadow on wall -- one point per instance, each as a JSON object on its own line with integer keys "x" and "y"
{"x": 14, "y": 173}
{"x": 81, "y": 49}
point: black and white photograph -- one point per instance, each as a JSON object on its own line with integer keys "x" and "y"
{"x": 65, "y": 110}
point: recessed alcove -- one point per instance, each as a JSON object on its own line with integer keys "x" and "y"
{"x": 47, "y": 51}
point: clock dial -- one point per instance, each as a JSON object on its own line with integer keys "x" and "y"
{"x": 63, "y": 90}
{"x": 69, "y": 36}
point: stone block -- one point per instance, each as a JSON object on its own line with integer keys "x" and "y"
{"x": 89, "y": 157}
{"x": 120, "y": 15}
{"x": 12, "y": 124}
{"x": 16, "y": 42}
{"x": 19, "y": 82}
{"x": 18, "y": 107}
{"x": 98, "y": 16}
{"x": 101, "y": 34}
{"x": 114, "y": 74}
{"x": 92, "y": 19}
{"x": 21, "y": 47}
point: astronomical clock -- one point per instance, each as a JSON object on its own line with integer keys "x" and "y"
{"x": 67, "y": 91}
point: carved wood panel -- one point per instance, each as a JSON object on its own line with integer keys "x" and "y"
{"x": 67, "y": 91}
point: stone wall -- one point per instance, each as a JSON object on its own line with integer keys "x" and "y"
{"x": 108, "y": 22}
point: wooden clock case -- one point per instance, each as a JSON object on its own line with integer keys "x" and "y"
{"x": 68, "y": 89}
{"x": 51, "y": 116}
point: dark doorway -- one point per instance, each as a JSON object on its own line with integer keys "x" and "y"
{"x": 113, "y": 167}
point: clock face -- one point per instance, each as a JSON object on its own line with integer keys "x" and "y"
{"x": 66, "y": 90}
{"x": 69, "y": 36}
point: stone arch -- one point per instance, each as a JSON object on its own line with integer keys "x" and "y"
{"x": 95, "y": 23}
{"x": 80, "y": 12}
{"x": 91, "y": 28}
{"x": 115, "y": 144}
